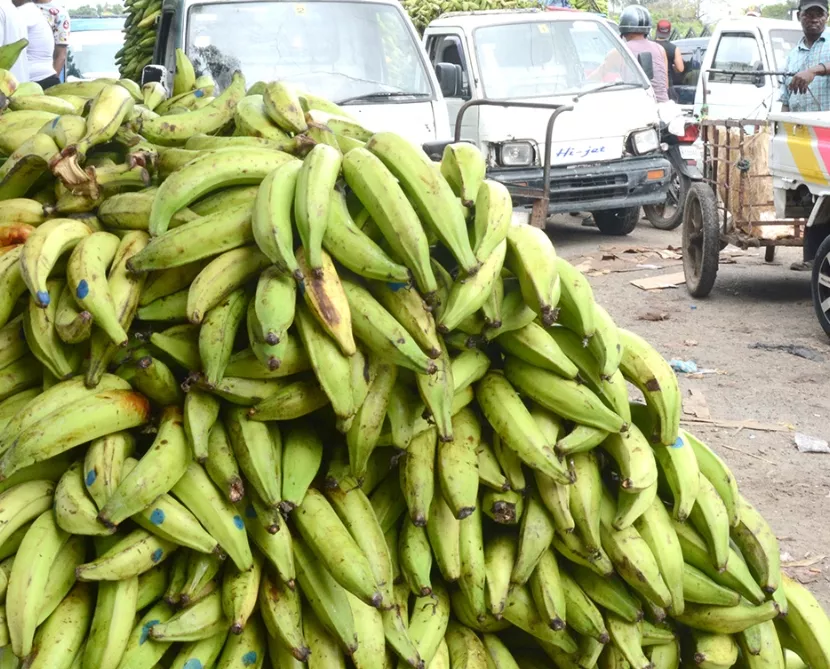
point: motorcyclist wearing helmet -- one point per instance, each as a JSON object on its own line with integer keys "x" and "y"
{"x": 635, "y": 26}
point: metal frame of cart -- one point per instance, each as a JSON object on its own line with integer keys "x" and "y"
{"x": 708, "y": 224}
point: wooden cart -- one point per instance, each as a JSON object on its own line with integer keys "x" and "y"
{"x": 764, "y": 182}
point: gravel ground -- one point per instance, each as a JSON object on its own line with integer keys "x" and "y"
{"x": 752, "y": 302}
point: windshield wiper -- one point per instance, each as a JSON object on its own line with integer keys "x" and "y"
{"x": 605, "y": 87}
{"x": 382, "y": 95}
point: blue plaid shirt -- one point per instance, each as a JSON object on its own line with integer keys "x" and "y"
{"x": 802, "y": 57}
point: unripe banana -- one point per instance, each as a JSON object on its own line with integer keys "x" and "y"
{"x": 217, "y": 169}
{"x": 315, "y": 182}
{"x": 379, "y": 192}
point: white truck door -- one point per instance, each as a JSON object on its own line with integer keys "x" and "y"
{"x": 448, "y": 47}
{"x": 739, "y": 96}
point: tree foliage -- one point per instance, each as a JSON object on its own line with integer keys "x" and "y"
{"x": 778, "y": 11}
{"x": 97, "y": 11}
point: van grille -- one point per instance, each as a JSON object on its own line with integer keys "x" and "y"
{"x": 577, "y": 189}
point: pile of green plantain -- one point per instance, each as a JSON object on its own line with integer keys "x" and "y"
{"x": 278, "y": 390}
{"x": 423, "y": 12}
{"x": 139, "y": 37}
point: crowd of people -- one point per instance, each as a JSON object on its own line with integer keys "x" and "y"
{"x": 46, "y": 26}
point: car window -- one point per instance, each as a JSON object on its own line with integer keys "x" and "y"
{"x": 738, "y": 52}
{"x": 450, "y": 50}
{"x": 783, "y": 41}
{"x": 692, "y": 62}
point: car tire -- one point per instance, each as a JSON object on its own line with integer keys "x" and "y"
{"x": 656, "y": 213}
{"x": 617, "y": 222}
{"x": 821, "y": 285}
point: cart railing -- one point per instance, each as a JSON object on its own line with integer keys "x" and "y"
{"x": 726, "y": 150}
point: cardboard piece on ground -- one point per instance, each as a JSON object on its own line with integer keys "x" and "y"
{"x": 660, "y": 282}
{"x": 695, "y": 405}
{"x": 668, "y": 254}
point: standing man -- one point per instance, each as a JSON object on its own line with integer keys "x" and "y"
{"x": 673, "y": 54}
{"x": 58, "y": 19}
{"x": 809, "y": 89}
{"x": 41, "y": 44}
{"x": 12, "y": 29}
{"x": 635, "y": 26}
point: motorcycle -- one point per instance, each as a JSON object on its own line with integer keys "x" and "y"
{"x": 678, "y": 136}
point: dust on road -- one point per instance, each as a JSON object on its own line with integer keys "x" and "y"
{"x": 752, "y": 302}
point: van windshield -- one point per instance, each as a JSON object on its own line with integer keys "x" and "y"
{"x": 538, "y": 59}
{"x": 339, "y": 50}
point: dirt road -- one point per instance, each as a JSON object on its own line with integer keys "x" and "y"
{"x": 752, "y": 302}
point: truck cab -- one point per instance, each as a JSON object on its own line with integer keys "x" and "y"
{"x": 504, "y": 73}
{"x": 362, "y": 54}
{"x": 745, "y": 44}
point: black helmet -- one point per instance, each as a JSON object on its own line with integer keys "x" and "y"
{"x": 635, "y": 19}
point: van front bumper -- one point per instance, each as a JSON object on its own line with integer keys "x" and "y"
{"x": 626, "y": 182}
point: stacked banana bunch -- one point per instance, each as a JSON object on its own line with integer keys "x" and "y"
{"x": 277, "y": 390}
{"x": 422, "y": 12}
{"x": 139, "y": 37}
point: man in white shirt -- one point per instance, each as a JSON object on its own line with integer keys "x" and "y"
{"x": 13, "y": 28}
{"x": 58, "y": 19}
{"x": 41, "y": 44}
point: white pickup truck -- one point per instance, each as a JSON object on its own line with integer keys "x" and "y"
{"x": 799, "y": 162}
{"x": 505, "y": 73}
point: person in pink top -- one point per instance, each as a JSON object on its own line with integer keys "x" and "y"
{"x": 635, "y": 26}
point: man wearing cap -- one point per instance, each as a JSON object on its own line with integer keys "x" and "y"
{"x": 673, "y": 54}
{"x": 809, "y": 89}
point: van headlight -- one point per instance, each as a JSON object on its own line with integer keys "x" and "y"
{"x": 516, "y": 154}
{"x": 645, "y": 141}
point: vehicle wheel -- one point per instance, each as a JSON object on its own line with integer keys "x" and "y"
{"x": 769, "y": 253}
{"x": 821, "y": 285}
{"x": 669, "y": 214}
{"x": 617, "y": 222}
{"x": 701, "y": 240}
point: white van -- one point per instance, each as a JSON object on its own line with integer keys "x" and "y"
{"x": 605, "y": 151}
{"x": 364, "y": 54}
{"x": 745, "y": 44}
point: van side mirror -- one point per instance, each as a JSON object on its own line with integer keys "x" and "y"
{"x": 647, "y": 64}
{"x": 759, "y": 79}
{"x": 152, "y": 73}
{"x": 449, "y": 79}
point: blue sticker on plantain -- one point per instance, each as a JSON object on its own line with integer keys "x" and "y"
{"x": 82, "y": 290}
{"x": 237, "y": 520}
{"x": 157, "y": 517}
{"x": 249, "y": 658}
{"x": 145, "y": 630}
{"x": 157, "y": 555}
{"x": 90, "y": 477}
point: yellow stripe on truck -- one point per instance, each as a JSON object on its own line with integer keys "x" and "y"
{"x": 801, "y": 144}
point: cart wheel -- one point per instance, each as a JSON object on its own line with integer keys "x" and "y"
{"x": 701, "y": 240}
{"x": 769, "y": 254}
{"x": 821, "y": 285}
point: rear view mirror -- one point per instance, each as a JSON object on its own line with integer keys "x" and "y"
{"x": 152, "y": 73}
{"x": 449, "y": 79}
{"x": 647, "y": 64}
{"x": 759, "y": 79}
